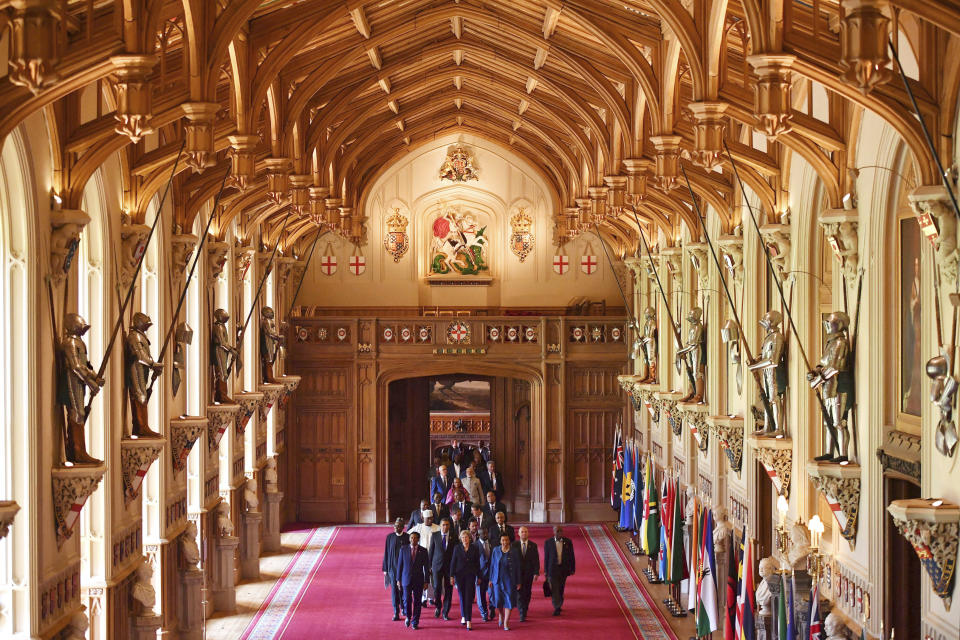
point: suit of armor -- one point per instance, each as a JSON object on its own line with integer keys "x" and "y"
{"x": 220, "y": 353}
{"x": 835, "y": 379}
{"x": 943, "y": 395}
{"x": 270, "y": 342}
{"x": 76, "y": 376}
{"x": 695, "y": 353}
{"x": 140, "y": 364}
{"x": 773, "y": 373}
{"x": 649, "y": 343}
{"x": 182, "y": 337}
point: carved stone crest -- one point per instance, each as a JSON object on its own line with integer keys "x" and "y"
{"x": 458, "y": 167}
{"x": 840, "y": 485}
{"x": 136, "y": 456}
{"x": 521, "y": 234}
{"x": 71, "y": 488}
{"x": 219, "y": 419}
{"x": 932, "y": 527}
{"x": 216, "y": 260}
{"x": 183, "y": 435}
{"x": 133, "y": 242}
{"x": 776, "y": 456}
{"x": 182, "y": 246}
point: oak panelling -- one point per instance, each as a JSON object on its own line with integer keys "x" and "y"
{"x": 321, "y": 464}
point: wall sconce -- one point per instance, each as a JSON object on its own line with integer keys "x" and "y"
{"x": 815, "y": 560}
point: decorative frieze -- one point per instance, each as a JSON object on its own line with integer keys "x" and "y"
{"x": 840, "y": 485}
{"x": 776, "y": 456}
{"x": 728, "y": 430}
{"x": 840, "y": 228}
{"x": 939, "y": 225}
{"x": 248, "y": 402}
{"x": 133, "y": 242}
{"x": 184, "y": 432}
{"x": 8, "y": 511}
{"x": 136, "y": 456}
{"x": 219, "y": 419}
{"x": 932, "y": 527}
{"x": 65, "y": 228}
{"x": 71, "y": 488}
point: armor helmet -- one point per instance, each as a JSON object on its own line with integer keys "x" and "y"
{"x": 221, "y": 316}
{"x": 937, "y": 367}
{"x": 184, "y": 333}
{"x": 267, "y": 312}
{"x": 771, "y": 320}
{"x": 730, "y": 331}
{"x": 695, "y": 314}
{"x": 836, "y": 322}
{"x": 141, "y": 321}
{"x": 649, "y": 313}
{"x": 75, "y": 325}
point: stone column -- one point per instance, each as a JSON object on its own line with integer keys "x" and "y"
{"x": 191, "y": 607}
{"x": 271, "y": 520}
{"x": 251, "y": 520}
{"x": 223, "y": 588}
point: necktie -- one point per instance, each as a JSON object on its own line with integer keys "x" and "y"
{"x": 524, "y": 548}
{"x": 444, "y": 542}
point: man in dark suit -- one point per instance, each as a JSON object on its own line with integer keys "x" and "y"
{"x": 492, "y": 507}
{"x": 463, "y": 506}
{"x": 492, "y": 480}
{"x": 441, "y": 482}
{"x": 484, "y": 451}
{"x": 457, "y": 523}
{"x": 529, "y": 569}
{"x": 455, "y": 449}
{"x": 439, "y": 508}
{"x": 502, "y": 528}
{"x": 413, "y": 576}
{"x": 441, "y": 552}
{"x": 416, "y": 516}
{"x": 558, "y": 564}
{"x": 391, "y": 552}
{"x": 481, "y": 517}
{"x": 483, "y": 578}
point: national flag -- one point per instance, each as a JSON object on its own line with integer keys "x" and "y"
{"x": 677, "y": 556}
{"x": 708, "y": 618}
{"x": 666, "y": 521}
{"x": 638, "y": 501}
{"x": 651, "y": 516}
{"x": 816, "y": 627}
{"x": 782, "y": 611}
{"x": 626, "y": 497}
{"x": 694, "y": 558}
{"x": 748, "y": 594}
{"x": 616, "y": 480}
{"x": 791, "y": 619}
{"x": 731, "y": 630}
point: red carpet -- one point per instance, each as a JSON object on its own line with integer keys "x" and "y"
{"x": 334, "y": 588}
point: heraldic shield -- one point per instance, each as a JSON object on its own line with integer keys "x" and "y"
{"x": 521, "y": 234}
{"x": 395, "y": 240}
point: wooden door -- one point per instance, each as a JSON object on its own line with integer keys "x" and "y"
{"x": 408, "y": 455}
{"x": 901, "y": 568}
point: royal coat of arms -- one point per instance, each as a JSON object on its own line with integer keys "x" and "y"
{"x": 459, "y": 245}
{"x": 458, "y": 167}
{"x": 521, "y": 234}
{"x": 395, "y": 240}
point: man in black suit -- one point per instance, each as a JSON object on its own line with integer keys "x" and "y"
{"x": 492, "y": 481}
{"x": 463, "y": 506}
{"x": 502, "y": 528}
{"x": 457, "y": 523}
{"x": 484, "y": 450}
{"x": 558, "y": 564}
{"x": 455, "y": 450}
{"x": 416, "y": 516}
{"x": 441, "y": 482}
{"x": 529, "y": 569}
{"x": 391, "y": 552}
{"x": 480, "y": 516}
{"x": 441, "y": 552}
{"x": 492, "y": 507}
{"x": 483, "y": 578}
{"x": 439, "y": 508}
{"x": 413, "y": 576}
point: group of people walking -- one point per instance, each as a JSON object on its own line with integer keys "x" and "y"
{"x": 488, "y": 562}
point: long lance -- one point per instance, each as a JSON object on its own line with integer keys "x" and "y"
{"x": 827, "y": 418}
{"x": 263, "y": 281}
{"x": 303, "y": 275}
{"x": 767, "y": 407}
{"x": 133, "y": 280}
{"x": 666, "y": 303}
{"x": 606, "y": 251}
{"x": 186, "y": 284}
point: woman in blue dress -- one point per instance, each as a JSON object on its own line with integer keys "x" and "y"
{"x": 504, "y": 580}
{"x": 464, "y": 568}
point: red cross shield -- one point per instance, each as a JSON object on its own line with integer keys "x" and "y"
{"x": 358, "y": 264}
{"x": 561, "y": 264}
{"x": 328, "y": 265}
{"x": 588, "y": 264}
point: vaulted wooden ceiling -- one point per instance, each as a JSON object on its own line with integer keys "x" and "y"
{"x": 311, "y": 100}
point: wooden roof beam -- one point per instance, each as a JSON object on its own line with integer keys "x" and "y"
{"x": 359, "y": 18}
{"x": 456, "y": 26}
{"x": 550, "y": 18}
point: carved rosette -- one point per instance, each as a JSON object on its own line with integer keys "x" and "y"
{"x": 71, "y": 488}
{"x": 199, "y": 129}
{"x": 933, "y": 528}
{"x": 776, "y": 456}
{"x": 939, "y": 224}
{"x": 278, "y": 179}
{"x": 840, "y": 485}
{"x": 290, "y": 384}
{"x": 8, "y": 511}
{"x": 667, "y": 158}
{"x": 33, "y": 44}
{"x": 219, "y": 419}
{"x": 777, "y": 238}
{"x": 216, "y": 260}
{"x": 729, "y": 434}
{"x": 271, "y": 393}
{"x": 134, "y": 94}
{"x": 184, "y": 432}
{"x": 133, "y": 242}
{"x": 136, "y": 456}
{"x": 708, "y": 131}
{"x": 772, "y": 103}
{"x": 695, "y": 417}
{"x": 668, "y": 405}
{"x": 731, "y": 254}
{"x": 840, "y": 229}
{"x": 248, "y": 401}
{"x": 243, "y": 159}
{"x": 181, "y": 250}
{"x": 65, "y": 228}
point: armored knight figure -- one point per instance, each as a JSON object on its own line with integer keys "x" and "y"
{"x": 182, "y": 337}
{"x": 834, "y": 377}
{"x": 649, "y": 342}
{"x": 730, "y": 335}
{"x": 943, "y": 395}
{"x": 270, "y": 342}
{"x": 76, "y": 375}
{"x": 140, "y": 364}
{"x": 695, "y": 353}
{"x": 772, "y": 365}
{"x": 221, "y": 350}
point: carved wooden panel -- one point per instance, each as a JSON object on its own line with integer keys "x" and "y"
{"x": 594, "y": 384}
{"x": 321, "y": 463}
{"x": 324, "y": 385}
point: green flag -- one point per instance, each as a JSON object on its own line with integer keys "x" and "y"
{"x": 652, "y": 520}
{"x": 782, "y": 609}
{"x": 677, "y": 559}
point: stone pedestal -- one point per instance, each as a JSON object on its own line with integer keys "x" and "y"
{"x": 271, "y": 520}
{"x": 250, "y": 545}
{"x": 223, "y": 591}
{"x": 191, "y": 605}
{"x": 145, "y": 627}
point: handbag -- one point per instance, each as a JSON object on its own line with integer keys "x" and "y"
{"x": 547, "y": 591}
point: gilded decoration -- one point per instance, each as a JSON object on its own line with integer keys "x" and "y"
{"x": 395, "y": 240}
{"x": 521, "y": 234}
{"x": 931, "y": 526}
{"x": 458, "y": 166}
{"x": 459, "y": 244}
